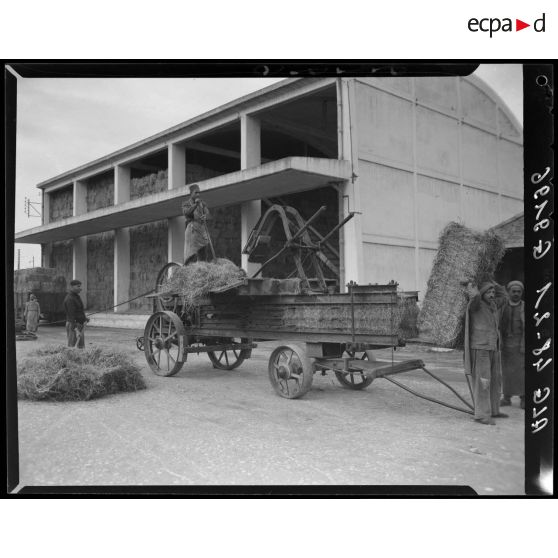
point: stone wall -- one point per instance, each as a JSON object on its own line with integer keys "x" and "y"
{"x": 100, "y": 271}
{"x": 100, "y": 191}
{"x": 148, "y": 255}
{"x": 61, "y": 204}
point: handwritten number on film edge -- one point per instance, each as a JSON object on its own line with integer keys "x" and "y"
{"x": 539, "y": 251}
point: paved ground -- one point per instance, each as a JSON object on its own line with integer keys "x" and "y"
{"x": 213, "y": 427}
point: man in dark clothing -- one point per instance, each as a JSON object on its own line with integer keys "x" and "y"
{"x": 75, "y": 316}
{"x": 482, "y": 349}
{"x": 512, "y": 328}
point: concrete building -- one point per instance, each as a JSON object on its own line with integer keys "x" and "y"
{"x": 408, "y": 154}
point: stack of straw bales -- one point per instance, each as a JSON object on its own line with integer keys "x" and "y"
{"x": 408, "y": 312}
{"x": 61, "y": 204}
{"x": 463, "y": 255}
{"x": 58, "y": 373}
{"x": 39, "y": 279}
{"x": 149, "y": 184}
{"x": 100, "y": 191}
{"x": 195, "y": 280}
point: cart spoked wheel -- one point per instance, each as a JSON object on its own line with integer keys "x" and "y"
{"x": 163, "y": 339}
{"x": 354, "y": 380}
{"x": 290, "y": 371}
{"x": 229, "y": 359}
{"x": 166, "y": 303}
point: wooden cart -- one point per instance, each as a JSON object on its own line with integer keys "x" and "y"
{"x": 318, "y": 330}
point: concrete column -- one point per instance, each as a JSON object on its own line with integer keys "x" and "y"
{"x": 46, "y": 254}
{"x": 121, "y": 184}
{"x": 177, "y": 166}
{"x": 176, "y": 225}
{"x": 80, "y": 197}
{"x": 45, "y": 213}
{"x": 121, "y": 268}
{"x": 79, "y": 265}
{"x": 352, "y": 250}
{"x": 250, "y": 156}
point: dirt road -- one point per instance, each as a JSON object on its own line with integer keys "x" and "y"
{"x": 212, "y": 427}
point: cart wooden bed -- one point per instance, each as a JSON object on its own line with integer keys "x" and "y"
{"x": 317, "y": 329}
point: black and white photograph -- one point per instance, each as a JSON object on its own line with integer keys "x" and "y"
{"x": 227, "y": 281}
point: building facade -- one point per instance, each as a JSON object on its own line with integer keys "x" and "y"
{"x": 408, "y": 155}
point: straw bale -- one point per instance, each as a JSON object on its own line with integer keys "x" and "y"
{"x": 148, "y": 255}
{"x": 58, "y": 373}
{"x": 61, "y": 204}
{"x": 62, "y": 258}
{"x": 463, "y": 255}
{"x": 195, "y": 280}
{"x": 100, "y": 191}
{"x": 409, "y": 312}
{"x": 100, "y": 271}
{"x": 149, "y": 184}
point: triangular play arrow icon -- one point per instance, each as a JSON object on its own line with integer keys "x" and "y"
{"x": 519, "y": 25}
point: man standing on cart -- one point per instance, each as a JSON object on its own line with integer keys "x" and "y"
{"x": 482, "y": 349}
{"x": 196, "y": 236}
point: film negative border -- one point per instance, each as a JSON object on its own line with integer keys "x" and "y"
{"x": 539, "y": 275}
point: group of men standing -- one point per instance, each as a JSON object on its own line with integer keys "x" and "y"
{"x": 495, "y": 347}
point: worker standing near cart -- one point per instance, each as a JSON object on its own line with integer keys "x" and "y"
{"x": 196, "y": 236}
{"x": 512, "y": 330}
{"x": 482, "y": 349}
{"x": 32, "y": 313}
{"x": 75, "y": 316}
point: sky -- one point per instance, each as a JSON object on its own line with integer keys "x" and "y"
{"x": 64, "y": 123}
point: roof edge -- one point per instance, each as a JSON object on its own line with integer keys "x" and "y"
{"x": 508, "y": 221}
{"x": 485, "y": 88}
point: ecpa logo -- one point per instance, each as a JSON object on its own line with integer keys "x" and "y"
{"x": 494, "y": 24}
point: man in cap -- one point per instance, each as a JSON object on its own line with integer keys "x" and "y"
{"x": 482, "y": 349}
{"x": 75, "y": 316}
{"x": 196, "y": 238}
{"x": 512, "y": 330}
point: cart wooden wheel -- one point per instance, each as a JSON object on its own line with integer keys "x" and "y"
{"x": 164, "y": 339}
{"x": 229, "y": 359}
{"x": 166, "y": 303}
{"x": 355, "y": 380}
{"x": 290, "y": 371}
